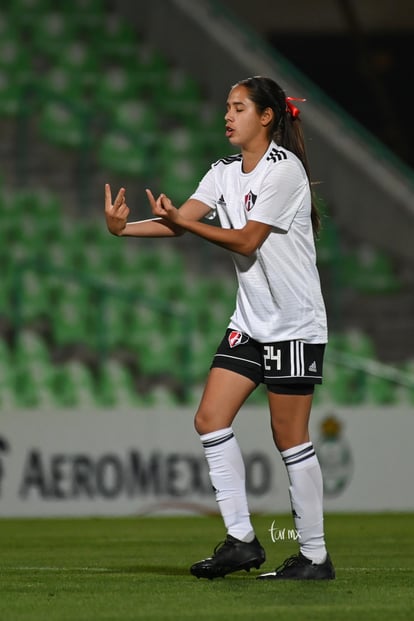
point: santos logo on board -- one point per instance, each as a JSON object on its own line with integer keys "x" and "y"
{"x": 335, "y": 456}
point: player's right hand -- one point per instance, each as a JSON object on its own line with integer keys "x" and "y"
{"x": 116, "y": 213}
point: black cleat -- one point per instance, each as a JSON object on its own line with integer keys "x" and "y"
{"x": 229, "y": 556}
{"x": 298, "y": 567}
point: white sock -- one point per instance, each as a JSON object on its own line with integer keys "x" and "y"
{"x": 306, "y": 496}
{"x": 227, "y": 475}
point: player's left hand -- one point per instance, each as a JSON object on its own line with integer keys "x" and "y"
{"x": 162, "y": 207}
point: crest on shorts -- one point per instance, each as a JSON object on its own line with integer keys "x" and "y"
{"x": 237, "y": 338}
{"x": 249, "y": 200}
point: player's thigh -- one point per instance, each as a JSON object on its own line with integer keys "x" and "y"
{"x": 290, "y": 418}
{"x": 224, "y": 394}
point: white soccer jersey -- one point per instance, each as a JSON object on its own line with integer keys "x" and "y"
{"x": 279, "y": 295}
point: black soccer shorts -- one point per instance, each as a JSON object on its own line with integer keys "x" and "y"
{"x": 286, "y": 367}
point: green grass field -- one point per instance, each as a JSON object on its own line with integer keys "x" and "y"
{"x": 137, "y": 568}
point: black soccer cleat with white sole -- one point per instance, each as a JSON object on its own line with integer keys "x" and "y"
{"x": 298, "y": 567}
{"x": 229, "y": 556}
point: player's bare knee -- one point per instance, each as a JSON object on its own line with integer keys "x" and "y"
{"x": 201, "y": 421}
{"x": 206, "y": 421}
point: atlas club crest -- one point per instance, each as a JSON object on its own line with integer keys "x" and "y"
{"x": 237, "y": 338}
{"x": 249, "y": 200}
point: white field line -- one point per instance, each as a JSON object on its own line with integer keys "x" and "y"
{"x": 108, "y": 569}
{"x": 56, "y": 569}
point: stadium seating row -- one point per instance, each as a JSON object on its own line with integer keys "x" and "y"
{"x": 92, "y": 84}
{"x": 30, "y": 378}
{"x": 93, "y": 301}
{"x": 95, "y": 85}
{"x": 84, "y": 315}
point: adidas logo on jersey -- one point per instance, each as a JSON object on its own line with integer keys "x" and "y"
{"x": 312, "y": 367}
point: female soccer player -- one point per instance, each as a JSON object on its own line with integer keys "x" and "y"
{"x": 278, "y": 331}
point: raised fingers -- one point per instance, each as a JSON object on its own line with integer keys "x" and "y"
{"x": 108, "y": 197}
{"x": 151, "y": 198}
{"x": 156, "y": 206}
{"x": 165, "y": 202}
{"x": 120, "y": 199}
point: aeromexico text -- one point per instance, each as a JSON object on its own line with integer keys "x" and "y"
{"x": 63, "y": 476}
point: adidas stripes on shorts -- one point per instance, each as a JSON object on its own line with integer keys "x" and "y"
{"x": 286, "y": 367}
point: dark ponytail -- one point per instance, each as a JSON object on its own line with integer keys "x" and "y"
{"x": 286, "y": 129}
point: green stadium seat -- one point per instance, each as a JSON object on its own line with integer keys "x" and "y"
{"x": 341, "y": 385}
{"x": 30, "y": 347}
{"x": 358, "y": 343}
{"x": 46, "y": 211}
{"x": 115, "y": 257}
{"x": 24, "y": 221}
{"x": 328, "y": 251}
{"x": 61, "y": 84}
{"x": 369, "y": 271}
{"x": 120, "y": 153}
{"x": 115, "y": 42}
{"x": 145, "y": 318}
{"x": 51, "y": 32}
{"x": 116, "y": 84}
{"x": 161, "y": 396}
{"x": 87, "y": 15}
{"x": 58, "y": 255}
{"x": 6, "y": 24}
{"x": 89, "y": 260}
{"x": 380, "y": 391}
{"x": 8, "y": 399}
{"x": 6, "y": 358}
{"x": 24, "y": 12}
{"x": 39, "y": 203}
{"x": 12, "y": 93}
{"x": 179, "y": 96}
{"x": 26, "y": 390}
{"x": 79, "y": 60}
{"x": 63, "y": 389}
{"x": 11, "y": 50}
{"x": 64, "y": 125}
{"x": 7, "y": 285}
{"x": 14, "y": 58}
{"x": 34, "y": 299}
{"x": 33, "y": 372}
{"x": 75, "y": 385}
{"x": 202, "y": 349}
{"x": 151, "y": 70}
{"x": 116, "y": 386}
{"x": 70, "y": 320}
{"x": 157, "y": 356}
{"x": 115, "y": 321}
{"x": 180, "y": 178}
{"x": 150, "y": 341}
{"x": 137, "y": 120}
{"x": 182, "y": 143}
{"x": 211, "y": 304}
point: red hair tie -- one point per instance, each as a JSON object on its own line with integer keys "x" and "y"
{"x": 293, "y": 110}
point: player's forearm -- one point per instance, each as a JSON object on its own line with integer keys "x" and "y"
{"x": 234, "y": 240}
{"x": 156, "y": 227}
